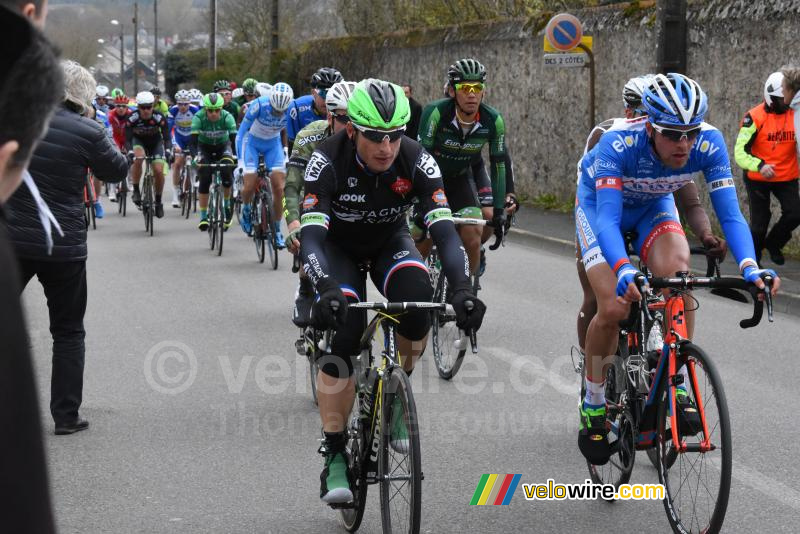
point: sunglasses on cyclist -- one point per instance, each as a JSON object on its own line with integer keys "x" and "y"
{"x": 378, "y": 136}
{"x": 121, "y": 106}
{"x": 145, "y": 106}
{"x": 343, "y": 118}
{"x": 183, "y": 103}
{"x": 676, "y": 135}
{"x": 322, "y": 93}
{"x": 224, "y": 93}
{"x": 471, "y": 87}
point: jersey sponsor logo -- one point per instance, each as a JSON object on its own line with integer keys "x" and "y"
{"x": 310, "y": 139}
{"x": 608, "y": 183}
{"x": 315, "y": 165}
{"x": 437, "y": 215}
{"x": 720, "y": 184}
{"x": 314, "y": 219}
{"x": 347, "y": 197}
{"x": 310, "y": 201}
{"x": 293, "y": 113}
{"x": 747, "y": 121}
{"x": 401, "y": 186}
{"x": 620, "y": 143}
{"x": 587, "y": 236}
{"x": 383, "y": 216}
{"x": 467, "y": 146}
{"x": 401, "y": 254}
{"x": 592, "y": 257}
{"x": 428, "y": 165}
{"x": 708, "y": 146}
{"x": 662, "y": 216}
{"x": 439, "y": 198}
{"x": 352, "y": 181}
{"x": 603, "y": 164}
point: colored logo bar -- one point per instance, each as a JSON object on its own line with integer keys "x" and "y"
{"x": 495, "y": 489}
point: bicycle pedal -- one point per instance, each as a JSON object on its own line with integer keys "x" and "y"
{"x": 300, "y": 346}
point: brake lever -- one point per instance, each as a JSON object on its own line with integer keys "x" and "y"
{"x": 641, "y": 282}
{"x": 296, "y": 263}
{"x": 768, "y": 296}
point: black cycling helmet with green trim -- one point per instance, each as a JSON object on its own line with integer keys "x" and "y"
{"x": 378, "y": 104}
{"x": 325, "y": 77}
{"x": 222, "y": 85}
{"x": 466, "y": 70}
{"x": 249, "y": 86}
{"x": 213, "y": 101}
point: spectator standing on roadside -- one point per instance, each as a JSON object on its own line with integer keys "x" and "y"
{"x": 412, "y": 128}
{"x": 72, "y": 144}
{"x": 29, "y": 61}
{"x": 766, "y": 150}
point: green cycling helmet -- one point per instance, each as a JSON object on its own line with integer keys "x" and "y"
{"x": 249, "y": 86}
{"x": 213, "y": 101}
{"x": 466, "y": 70}
{"x": 116, "y": 92}
{"x": 378, "y": 104}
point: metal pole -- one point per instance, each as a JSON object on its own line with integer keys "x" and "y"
{"x": 212, "y": 37}
{"x": 136, "y": 48}
{"x": 121, "y": 58}
{"x": 275, "y": 12}
{"x": 155, "y": 37}
{"x": 591, "y": 83}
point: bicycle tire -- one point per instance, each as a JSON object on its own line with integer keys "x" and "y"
{"x": 444, "y": 335}
{"x": 255, "y": 223}
{"x": 124, "y": 203}
{"x": 86, "y": 215}
{"x": 409, "y": 468}
{"x": 313, "y": 366}
{"x": 268, "y": 233}
{"x": 220, "y": 219}
{"x": 718, "y": 423}
{"x": 357, "y": 451}
{"x": 621, "y": 438}
{"x": 212, "y": 228}
{"x": 93, "y": 215}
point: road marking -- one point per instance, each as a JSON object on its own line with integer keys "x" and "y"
{"x": 770, "y": 487}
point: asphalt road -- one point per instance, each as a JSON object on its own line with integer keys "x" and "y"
{"x": 201, "y": 418}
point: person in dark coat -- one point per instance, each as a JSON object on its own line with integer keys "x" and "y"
{"x": 72, "y": 144}
{"x": 29, "y": 61}
{"x": 412, "y": 128}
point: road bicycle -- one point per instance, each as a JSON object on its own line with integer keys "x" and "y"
{"x": 261, "y": 218}
{"x": 188, "y": 189}
{"x": 148, "y": 203}
{"x": 217, "y": 218}
{"x": 693, "y": 459}
{"x": 89, "y": 198}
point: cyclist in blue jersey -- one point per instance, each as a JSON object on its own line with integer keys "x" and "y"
{"x": 626, "y": 183}
{"x": 179, "y": 122}
{"x": 310, "y": 108}
{"x": 261, "y": 133}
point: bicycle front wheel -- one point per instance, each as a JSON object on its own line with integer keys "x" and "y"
{"x": 256, "y": 216}
{"x": 448, "y": 348}
{"x": 697, "y": 478}
{"x": 268, "y": 231}
{"x": 357, "y": 451}
{"x": 219, "y": 222}
{"x": 399, "y": 467}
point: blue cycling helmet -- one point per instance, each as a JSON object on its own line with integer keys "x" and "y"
{"x": 675, "y": 99}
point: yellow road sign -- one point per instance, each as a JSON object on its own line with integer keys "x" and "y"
{"x": 586, "y": 41}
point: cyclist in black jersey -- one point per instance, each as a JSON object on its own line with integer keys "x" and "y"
{"x": 147, "y": 133}
{"x": 359, "y": 183}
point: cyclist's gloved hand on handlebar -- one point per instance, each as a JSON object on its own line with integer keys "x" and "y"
{"x": 754, "y": 275}
{"x": 716, "y": 247}
{"x": 498, "y": 221}
{"x": 467, "y": 319}
{"x": 626, "y": 283}
{"x": 322, "y": 315}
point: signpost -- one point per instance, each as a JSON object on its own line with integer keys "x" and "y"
{"x": 565, "y": 46}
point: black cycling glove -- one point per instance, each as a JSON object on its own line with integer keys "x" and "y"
{"x": 323, "y": 316}
{"x": 468, "y": 319}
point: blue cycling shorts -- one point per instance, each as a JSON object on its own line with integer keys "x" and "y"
{"x": 183, "y": 141}
{"x": 272, "y": 149}
{"x": 649, "y": 221}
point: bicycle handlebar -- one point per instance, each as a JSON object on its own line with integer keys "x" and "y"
{"x": 216, "y": 165}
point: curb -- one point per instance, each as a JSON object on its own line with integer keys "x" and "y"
{"x": 785, "y": 302}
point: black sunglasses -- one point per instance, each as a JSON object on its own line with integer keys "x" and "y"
{"x": 676, "y": 135}
{"x": 377, "y": 136}
{"x": 344, "y": 119}
{"x": 148, "y": 106}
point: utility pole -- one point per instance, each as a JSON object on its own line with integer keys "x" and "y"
{"x": 672, "y": 35}
{"x": 136, "y": 48}
{"x": 212, "y": 37}
{"x": 274, "y": 27}
{"x": 155, "y": 37}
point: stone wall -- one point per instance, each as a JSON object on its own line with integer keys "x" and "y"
{"x": 733, "y": 46}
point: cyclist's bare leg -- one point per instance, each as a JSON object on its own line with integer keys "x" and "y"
{"x": 589, "y": 304}
{"x": 203, "y": 200}
{"x": 335, "y": 397}
{"x": 277, "y": 180}
{"x": 424, "y": 247}
{"x": 158, "y": 177}
{"x": 471, "y": 237}
{"x": 177, "y": 166}
{"x": 669, "y": 254}
{"x": 414, "y": 348}
{"x": 136, "y": 172}
{"x": 98, "y": 189}
{"x": 249, "y": 187}
{"x": 603, "y": 331}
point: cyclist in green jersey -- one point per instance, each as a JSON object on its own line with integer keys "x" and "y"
{"x": 223, "y": 88}
{"x": 249, "y": 93}
{"x": 455, "y": 130}
{"x": 304, "y": 145}
{"x": 213, "y": 135}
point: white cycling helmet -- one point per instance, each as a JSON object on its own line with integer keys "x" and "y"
{"x": 195, "y": 96}
{"x": 281, "y": 96}
{"x": 102, "y": 91}
{"x": 237, "y": 92}
{"x": 144, "y": 98}
{"x": 263, "y": 88}
{"x": 338, "y": 95}
{"x": 182, "y": 96}
{"x": 773, "y": 88}
{"x": 634, "y": 89}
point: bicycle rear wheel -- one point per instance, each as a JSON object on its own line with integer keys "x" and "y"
{"x": 357, "y": 450}
{"x": 93, "y": 216}
{"x": 399, "y": 471}
{"x": 219, "y": 218}
{"x": 621, "y": 438}
{"x": 212, "y": 227}
{"x": 268, "y": 232}
{"x": 256, "y": 217}
{"x": 448, "y": 348}
{"x": 697, "y": 483}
